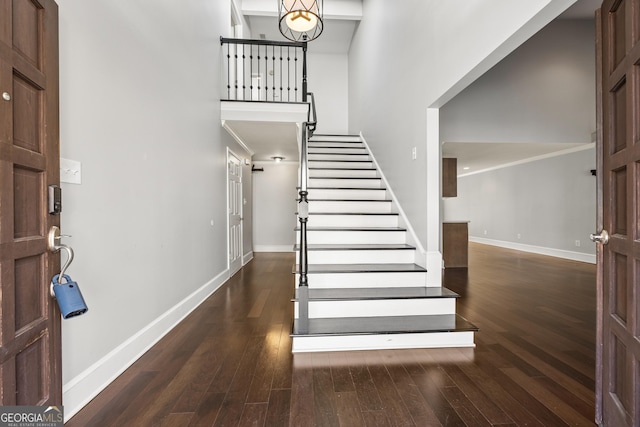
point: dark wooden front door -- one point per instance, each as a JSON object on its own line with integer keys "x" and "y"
{"x": 618, "y": 392}
{"x": 29, "y": 162}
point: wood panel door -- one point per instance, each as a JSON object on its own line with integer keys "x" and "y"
{"x": 618, "y": 390}
{"x": 30, "y": 356}
{"x": 234, "y": 204}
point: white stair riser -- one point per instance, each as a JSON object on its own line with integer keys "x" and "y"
{"x": 318, "y": 206}
{"x": 347, "y": 194}
{"x": 343, "y": 173}
{"x": 366, "y": 280}
{"x": 344, "y": 183}
{"x": 354, "y": 256}
{"x": 353, "y": 220}
{"x": 340, "y": 165}
{"x": 337, "y": 145}
{"x": 349, "y": 157}
{"x": 379, "y": 308}
{"x": 322, "y": 237}
{"x": 318, "y": 138}
{"x": 382, "y": 341}
{"x": 336, "y": 150}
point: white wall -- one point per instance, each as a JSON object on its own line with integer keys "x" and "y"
{"x": 543, "y": 92}
{"x": 274, "y": 202}
{"x": 550, "y": 203}
{"x": 328, "y": 80}
{"x": 140, "y": 109}
{"x": 404, "y": 60}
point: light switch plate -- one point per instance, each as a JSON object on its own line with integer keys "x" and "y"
{"x": 70, "y": 171}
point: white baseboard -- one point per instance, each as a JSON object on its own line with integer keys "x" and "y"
{"x": 558, "y": 253}
{"x": 80, "y": 390}
{"x": 273, "y": 248}
{"x": 247, "y": 257}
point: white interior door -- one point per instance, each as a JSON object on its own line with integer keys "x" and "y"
{"x": 234, "y": 209}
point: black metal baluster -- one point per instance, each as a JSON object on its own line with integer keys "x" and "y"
{"x": 304, "y": 73}
{"x": 295, "y": 62}
{"x": 259, "y": 76}
{"x": 235, "y": 78}
{"x": 281, "y": 74}
{"x": 288, "y": 74}
{"x": 228, "y": 72}
{"x": 244, "y": 72}
{"x": 273, "y": 71}
{"x": 251, "y": 72}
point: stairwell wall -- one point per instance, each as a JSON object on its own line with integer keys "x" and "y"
{"x": 401, "y": 65}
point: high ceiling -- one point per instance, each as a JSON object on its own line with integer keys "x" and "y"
{"x": 339, "y": 28}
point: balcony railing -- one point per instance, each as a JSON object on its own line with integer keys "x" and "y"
{"x": 264, "y": 70}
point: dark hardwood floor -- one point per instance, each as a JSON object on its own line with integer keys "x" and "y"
{"x": 230, "y": 363}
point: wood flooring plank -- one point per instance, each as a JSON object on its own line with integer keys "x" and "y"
{"x": 231, "y": 409}
{"x": 302, "y": 398}
{"x": 392, "y": 402}
{"x": 542, "y": 394}
{"x": 340, "y": 373}
{"x": 254, "y": 415}
{"x": 349, "y": 414}
{"x": 207, "y": 410}
{"x": 324, "y": 400}
{"x": 278, "y": 408}
{"x": 420, "y": 411}
{"x": 437, "y": 401}
{"x": 116, "y": 405}
{"x": 258, "y": 306}
{"x": 177, "y": 419}
{"x": 464, "y": 408}
{"x": 475, "y": 394}
{"x": 365, "y": 388}
{"x": 376, "y": 419}
{"x": 265, "y": 367}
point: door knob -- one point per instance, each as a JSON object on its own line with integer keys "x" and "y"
{"x": 603, "y": 237}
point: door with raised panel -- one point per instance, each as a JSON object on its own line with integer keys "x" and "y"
{"x": 30, "y": 355}
{"x": 234, "y": 205}
{"x": 618, "y": 389}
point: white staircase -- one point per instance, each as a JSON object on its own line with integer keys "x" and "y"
{"x": 365, "y": 291}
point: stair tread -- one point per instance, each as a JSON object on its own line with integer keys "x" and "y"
{"x": 344, "y": 177}
{"x": 340, "y": 160}
{"x": 349, "y": 200}
{"x": 356, "y": 247}
{"x": 345, "y": 188}
{"x": 340, "y": 294}
{"x": 332, "y": 228}
{"x": 384, "y": 325}
{"x": 361, "y": 268}
{"x": 342, "y": 169}
{"x": 353, "y": 213}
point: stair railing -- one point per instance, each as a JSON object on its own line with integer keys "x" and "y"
{"x": 308, "y": 128}
{"x": 264, "y": 70}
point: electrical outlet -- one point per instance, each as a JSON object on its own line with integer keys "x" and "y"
{"x": 577, "y": 243}
{"x": 485, "y": 232}
{"x": 519, "y": 236}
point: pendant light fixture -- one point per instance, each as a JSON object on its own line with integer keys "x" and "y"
{"x": 300, "y": 20}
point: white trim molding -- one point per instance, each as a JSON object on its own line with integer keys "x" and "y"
{"x": 81, "y": 389}
{"x": 273, "y": 248}
{"x": 558, "y": 253}
{"x": 246, "y": 258}
{"x": 532, "y": 159}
